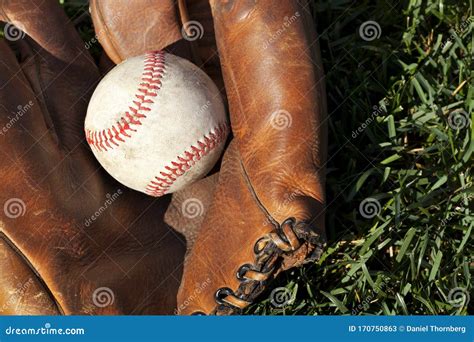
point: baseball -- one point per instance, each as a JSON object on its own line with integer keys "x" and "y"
{"x": 156, "y": 123}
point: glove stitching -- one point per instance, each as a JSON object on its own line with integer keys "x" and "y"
{"x": 255, "y": 197}
{"x": 285, "y": 239}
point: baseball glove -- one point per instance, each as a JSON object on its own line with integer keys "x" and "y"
{"x": 268, "y": 209}
{"x": 72, "y": 240}
{"x": 267, "y": 212}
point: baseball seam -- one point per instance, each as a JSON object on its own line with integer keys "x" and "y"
{"x": 162, "y": 183}
{"x": 153, "y": 71}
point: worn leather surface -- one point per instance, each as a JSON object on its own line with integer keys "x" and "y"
{"x": 48, "y": 170}
{"x": 158, "y": 25}
{"x": 268, "y": 174}
{"x": 189, "y": 206}
{"x": 21, "y": 290}
{"x": 130, "y": 28}
{"x": 274, "y": 168}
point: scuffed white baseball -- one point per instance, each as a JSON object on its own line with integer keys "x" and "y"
{"x": 156, "y": 123}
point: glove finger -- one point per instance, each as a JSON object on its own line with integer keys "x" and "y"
{"x": 276, "y": 98}
{"x": 269, "y": 203}
{"x": 22, "y": 125}
{"x": 123, "y": 33}
{"x": 56, "y": 63}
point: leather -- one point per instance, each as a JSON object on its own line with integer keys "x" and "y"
{"x": 157, "y": 25}
{"x": 269, "y": 174}
{"x": 189, "y": 206}
{"x": 209, "y": 261}
{"x": 126, "y": 29}
{"x": 46, "y": 164}
{"x": 21, "y": 291}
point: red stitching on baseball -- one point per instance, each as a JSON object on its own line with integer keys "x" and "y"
{"x": 150, "y": 83}
{"x": 161, "y": 184}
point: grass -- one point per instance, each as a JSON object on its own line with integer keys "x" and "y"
{"x": 401, "y": 144}
{"x": 400, "y": 186}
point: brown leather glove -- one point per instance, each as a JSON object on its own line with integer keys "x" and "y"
{"x": 72, "y": 240}
{"x": 268, "y": 209}
{"x": 126, "y": 29}
{"x": 262, "y": 181}
{"x": 182, "y": 27}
